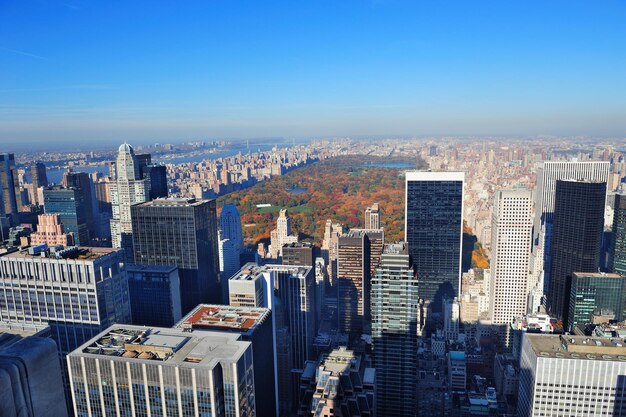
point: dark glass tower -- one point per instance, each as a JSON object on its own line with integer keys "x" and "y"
{"x": 434, "y": 233}
{"x": 183, "y": 233}
{"x": 595, "y": 293}
{"x": 69, "y": 204}
{"x": 157, "y": 174}
{"x": 82, "y": 182}
{"x": 8, "y": 182}
{"x": 577, "y": 229}
{"x": 39, "y": 178}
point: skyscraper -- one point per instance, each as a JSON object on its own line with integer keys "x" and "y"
{"x": 281, "y": 235}
{"x": 353, "y": 282}
{"x": 372, "y": 217}
{"x": 182, "y": 233}
{"x": 571, "y": 375}
{"x": 127, "y": 188}
{"x": 39, "y": 179}
{"x": 50, "y": 231}
{"x": 154, "y": 292}
{"x": 157, "y": 176}
{"x": 253, "y": 325}
{"x": 69, "y": 205}
{"x": 8, "y": 184}
{"x": 132, "y": 370}
{"x": 595, "y": 293}
{"x": 395, "y": 317}
{"x": 230, "y": 225}
{"x": 576, "y": 237}
{"x": 617, "y": 250}
{"x": 548, "y": 173}
{"x": 434, "y": 233}
{"x": 83, "y": 184}
{"x": 510, "y": 247}
{"x": 83, "y": 291}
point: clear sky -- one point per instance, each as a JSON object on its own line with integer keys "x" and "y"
{"x": 108, "y": 71}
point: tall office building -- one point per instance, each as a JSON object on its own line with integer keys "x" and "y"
{"x": 69, "y": 205}
{"x": 372, "y": 217}
{"x": 183, "y": 233}
{"x": 230, "y": 225}
{"x": 548, "y": 173}
{"x": 577, "y": 229}
{"x": 434, "y": 233}
{"x": 617, "y": 249}
{"x": 511, "y": 240}
{"x": 564, "y": 375}
{"x": 131, "y": 370}
{"x": 9, "y": 184}
{"x": 342, "y": 384}
{"x": 353, "y": 282}
{"x": 82, "y": 182}
{"x": 289, "y": 291}
{"x": 157, "y": 176}
{"x": 253, "y": 325}
{"x": 154, "y": 292}
{"x": 281, "y": 235}
{"x": 127, "y": 188}
{"x": 595, "y": 293}
{"x": 83, "y": 291}
{"x": 30, "y": 374}
{"x": 39, "y": 178}
{"x": 395, "y": 321}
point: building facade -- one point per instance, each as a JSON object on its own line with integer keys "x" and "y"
{"x": 510, "y": 247}
{"x": 372, "y": 217}
{"x": 571, "y": 376}
{"x": 353, "y": 282}
{"x": 181, "y": 233}
{"x": 595, "y": 293}
{"x": 154, "y": 292}
{"x": 131, "y": 370}
{"x": 69, "y": 205}
{"x": 395, "y": 324}
{"x": 434, "y": 233}
{"x": 578, "y": 223}
{"x": 617, "y": 249}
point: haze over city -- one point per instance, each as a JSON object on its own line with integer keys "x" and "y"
{"x": 83, "y": 71}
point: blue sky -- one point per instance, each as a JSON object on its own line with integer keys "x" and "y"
{"x": 108, "y": 71}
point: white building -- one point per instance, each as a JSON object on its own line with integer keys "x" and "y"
{"x": 127, "y": 188}
{"x": 281, "y": 235}
{"x": 510, "y": 243}
{"x": 132, "y": 370}
{"x": 574, "y": 376}
{"x": 451, "y": 318}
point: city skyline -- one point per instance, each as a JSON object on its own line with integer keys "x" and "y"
{"x": 82, "y": 71}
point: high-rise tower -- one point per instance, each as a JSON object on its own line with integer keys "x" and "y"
{"x": 372, "y": 217}
{"x": 127, "y": 188}
{"x": 510, "y": 245}
{"x": 230, "y": 225}
{"x": 576, "y": 237}
{"x": 434, "y": 233}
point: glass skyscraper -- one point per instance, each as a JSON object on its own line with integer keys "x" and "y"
{"x": 617, "y": 250}
{"x": 69, "y": 204}
{"x": 395, "y": 317}
{"x": 595, "y": 293}
{"x": 576, "y": 237}
{"x": 434, "y": 233}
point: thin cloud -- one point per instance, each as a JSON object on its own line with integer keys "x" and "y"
{"x": 23, "y": 53}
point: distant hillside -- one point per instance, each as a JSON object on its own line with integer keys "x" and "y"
{"x": 339, "y": 189}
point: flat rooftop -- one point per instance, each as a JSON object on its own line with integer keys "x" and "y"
{"x": 252, "y": 271}
{"x": 223, "y": 317}
{"x": 174, "y": 202}
{"x": 578, "y": 347}
{"x": 170, "y": 346}
{"x": 84, "y": 253}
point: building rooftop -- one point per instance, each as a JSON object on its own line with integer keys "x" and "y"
{"x": 252, "y": 271}
{"x": 223, "y": 317}
{"x": 171, "y": 346}
{"x": 597, "y": 275}
{"x": 78, "y": 253}
{"x": 174, "y": 202}
{"x": 578, "y": 347}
